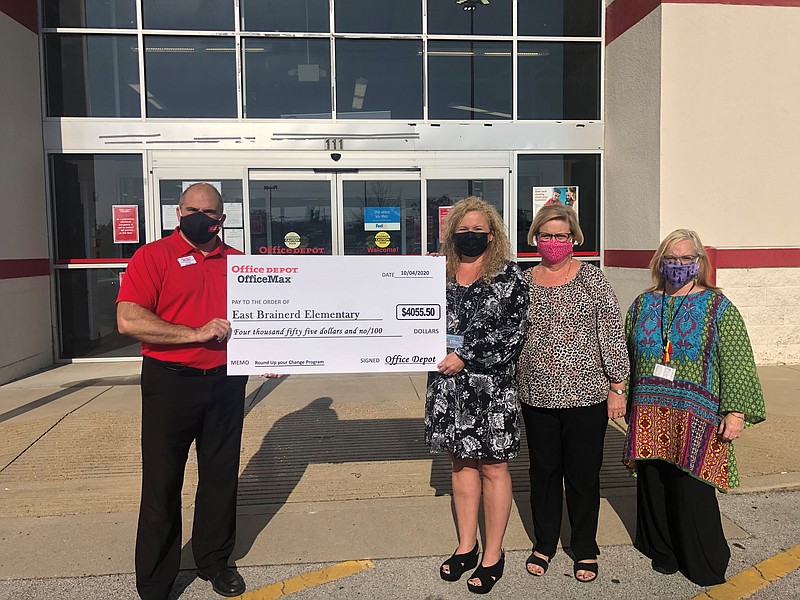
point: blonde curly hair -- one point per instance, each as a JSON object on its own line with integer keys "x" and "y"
{"x": 498, "y": 252}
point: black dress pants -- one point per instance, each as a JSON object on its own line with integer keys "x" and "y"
{"x": 566, "y": 453}
{"x": 678, "y": 525}
{"x": 177, "y": 410}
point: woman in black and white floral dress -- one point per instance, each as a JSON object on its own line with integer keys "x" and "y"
{"x": 472, "y": 406}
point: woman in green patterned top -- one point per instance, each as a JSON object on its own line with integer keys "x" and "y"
{"x": 694, "y": 387}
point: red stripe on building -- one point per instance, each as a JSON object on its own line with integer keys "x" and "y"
{"x": 22, "y": 11}
{"x": 621, "y": 15}
{"x": 758, "y": 258}
{"x": 92, "y": 261}
{"x": 24, "y": 267}
{"x": 629, "y": 259}
{"x": 789, "y": 3}
{"x": 721, "y": 258}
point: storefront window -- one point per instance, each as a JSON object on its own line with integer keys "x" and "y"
{"x": 190, "y": 77}
{"x": 304, "y": 16}
{"x": 559, "y": 80}
{"x": 469, "y": 80}
{"x": 290, "y": 217}
{"x": 287, "y": 78}
{"x": 368, "y": 16}
{"x": 87, "y": 314}
{"x": 92, "y": 75}
{"x": 569, "y": 179}
{"x": 444, "y": 193}
{"x": 382, "y": 217}
{"x": 379, "y": 79}
{"x": 187, "y": 76}
{"x": 116, "y": 14}
{"x": 204, "y": 15}
{"x": 445, "y": 17}
{"x": 98, "y": 205}
{"x": 570, "y": 18}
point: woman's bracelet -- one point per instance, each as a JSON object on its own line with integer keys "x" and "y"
{"x": 736, "y": 415}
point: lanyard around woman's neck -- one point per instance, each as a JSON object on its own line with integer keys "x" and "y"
{"x": 665, "y": 331}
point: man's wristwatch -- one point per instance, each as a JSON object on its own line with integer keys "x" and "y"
{"x": 618, "y": 392}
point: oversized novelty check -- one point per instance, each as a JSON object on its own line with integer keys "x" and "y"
{"x": 335, "y": 314}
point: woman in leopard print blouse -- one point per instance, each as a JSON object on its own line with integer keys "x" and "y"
{"x": 571, "y": 376}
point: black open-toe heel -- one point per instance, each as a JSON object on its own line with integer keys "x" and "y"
{"x": 539, "y": 562}
{"x": 488, "y": 576}
{"x": 459, "y": 564}
{"x": 584, "y": 566}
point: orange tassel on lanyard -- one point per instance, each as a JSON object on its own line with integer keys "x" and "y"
{"x": 668, "y": 352}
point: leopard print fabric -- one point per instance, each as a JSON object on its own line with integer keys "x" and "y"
{"x": 575, "y": 343}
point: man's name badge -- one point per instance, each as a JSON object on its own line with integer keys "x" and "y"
{"x": 455, "y": 342}
{"x": 664, "y": 372}
{"x": 185, "y": 261}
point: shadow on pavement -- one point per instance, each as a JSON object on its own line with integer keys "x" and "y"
{"x": 314, "y": 434}
{"x": 66, "y": 391}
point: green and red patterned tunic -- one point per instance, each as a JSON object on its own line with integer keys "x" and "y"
{"x": 677, "y": 420}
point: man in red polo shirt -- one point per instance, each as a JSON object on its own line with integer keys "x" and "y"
{"x": 173, "y": 299}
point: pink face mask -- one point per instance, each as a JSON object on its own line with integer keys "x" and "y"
{"x": 554, "y": 251}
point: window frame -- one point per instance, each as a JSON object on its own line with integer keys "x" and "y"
{"x": 238, "y": 34}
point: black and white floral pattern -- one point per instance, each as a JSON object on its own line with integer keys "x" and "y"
{"x": 475, "y": 413}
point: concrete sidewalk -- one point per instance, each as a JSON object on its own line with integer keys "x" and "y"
{"x": 333, "y": 468}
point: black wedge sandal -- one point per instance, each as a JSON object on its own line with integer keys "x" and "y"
{"x": 539, "y": 562}
{"x": 488, "y": 576}
{"x": 584, "y": 566}
{"x": 459, "y": 564}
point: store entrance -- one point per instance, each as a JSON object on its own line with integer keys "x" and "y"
{"x": 297, "y": 209}
{"x": 335, "y": 211}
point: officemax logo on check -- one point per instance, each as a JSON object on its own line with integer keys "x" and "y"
{"x": 254, "y": 274}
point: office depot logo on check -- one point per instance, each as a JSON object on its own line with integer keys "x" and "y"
{"x": 254, "y": 274}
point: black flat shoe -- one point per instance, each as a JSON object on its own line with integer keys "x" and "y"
{"x": 459, "y": 564}
{"x": 584, "y": 566}
{"x": 539, "y": 562}
{"x": 226, "y": 583}
{"x": 488, "y": 576}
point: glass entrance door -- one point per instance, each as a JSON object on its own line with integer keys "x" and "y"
{"x": 348, "y": 212}
{"x": 291, "y": 215}
{"x": 444, "y": 187}
{"x": 170, "y": 187}
{"x": 366, "y": 212}
{"x": 336, "y": 213}
{"x": 381, "y": 213}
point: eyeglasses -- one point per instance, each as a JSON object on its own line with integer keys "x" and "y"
{"x": 547, "y": 237}
{"x": 679, "y": 260}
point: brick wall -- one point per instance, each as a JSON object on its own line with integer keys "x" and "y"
{"x": 769, "y": 300}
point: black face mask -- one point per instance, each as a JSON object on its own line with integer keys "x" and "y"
{"x": 199, "y": 228}
{"x": 471, "y": 243}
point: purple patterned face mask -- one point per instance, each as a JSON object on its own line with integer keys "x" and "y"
{"x": 677, "y": 274}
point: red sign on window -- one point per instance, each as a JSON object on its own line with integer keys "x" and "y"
{"x": 126, "y": 223}
{"x": 443, "y": 212}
